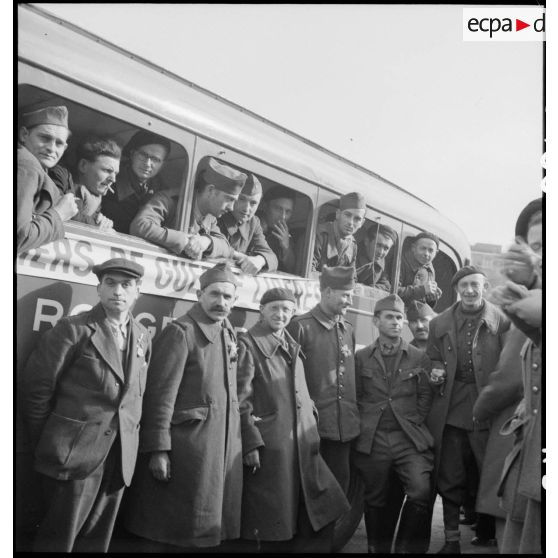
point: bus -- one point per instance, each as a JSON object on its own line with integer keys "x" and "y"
{"x": 111, "y": 92}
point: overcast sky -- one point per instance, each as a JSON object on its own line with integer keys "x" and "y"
{"x": 393, "y": 88}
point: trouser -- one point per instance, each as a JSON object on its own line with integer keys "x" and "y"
{"x": 336, "y": 455}
{"x": 459, "y": 448}
{"x": 80, "y": 514}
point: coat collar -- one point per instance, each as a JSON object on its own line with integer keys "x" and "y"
{"x": 375, "y": 347}
{"x": 321, "y": 317}
{"x": 445, "y": 321}
{"x": 414, "y": 265}
{"x": 233, "y": 227}
{"x": 269, "y": 343}
{"x": 208, "y": 327}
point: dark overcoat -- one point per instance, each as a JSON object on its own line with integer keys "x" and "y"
{"x": 279, "y": 417}
{"x": 442, "y": 350}
{"x": 76, "y": 397}
{"x": 496, "y": 403}
{"x": 409, "y": 394}
{"x": 191, "y": 411}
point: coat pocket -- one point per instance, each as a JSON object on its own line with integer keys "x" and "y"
{"x": 89, "y": 372}
{"x": 191, "y": 415}
{"x": 59, "y": 438}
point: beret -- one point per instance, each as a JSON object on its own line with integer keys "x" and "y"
{"x": 341, "y": 278}
{"x": 253, "y": 186}
{"x": 429, "y": 235}
{"x": 463, "y": 272}
{"x": 143, "y": 137}
{"x": 48, "y": 115}
{"x": 277, "y": 293}
{"x": 522, "y": 224}
{"x": 119, "y": 265}
{"x": 280, "y": 192}
{"x": 354, "y": 200}
{"x": 220, "y": 273}
{"x": 223, "y": 177}
{"x": 390, "y": 302}
{"x": 384, "y": 230}
{"x": 417, "y": 310}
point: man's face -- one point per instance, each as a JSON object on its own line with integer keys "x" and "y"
{"x": 217, "y": 300}
{"x": 337, "y": 301}
{"x": 535, "y": 238}
{"x": 389, "y": 323}
{"x": 245, "y": 207}
{"x": 420, "y": 328}
{"x": 147, "y": 160}
{"x": 471, "y": 289}
{"x": 219, "y": 202}
{"x": 117, "y": 292}
{"x": 279, "y": 210}
{"x": 98, "y": 175}
{"x": 46, "y": 141}
{"x": 349, "y": 220}
{"x": 277, "y": 314}
{"x": 424, "y": 250}
{"x": 378, "y": 247}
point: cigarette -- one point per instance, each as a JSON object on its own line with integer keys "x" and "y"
{"x": 111, "y": 190}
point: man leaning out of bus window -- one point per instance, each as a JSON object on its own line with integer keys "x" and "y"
{"x": 418, "y": 278}
{"x": 98, "y": 163}
{"x": 217, "y": 188}
{"x": 335, "y": 244}
{"x": 242, "y": 228}
{"x": 41, "y": 208}
{"x": 371, "y": 256}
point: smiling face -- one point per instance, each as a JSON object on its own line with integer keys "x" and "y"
{"x": 349, "y": 221}
{"x": 99, "y": 175}
{"x": 420, "y": 328}
{"x": 277, "y": 314}
{"x": 471, "y": 289}
{"x": 335, "y": 302}
{"x": 217, "y": 300}
{"x": 424, "y": 250}
{"x": 146, "y": 161}
{"x": 47, "y": 142}
{"x": 245, "y": 207}
{"x": 117, "y": 292}
{"x": 389, "y": 323}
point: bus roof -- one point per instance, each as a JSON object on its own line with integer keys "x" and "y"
{"x": 44, "y": 41}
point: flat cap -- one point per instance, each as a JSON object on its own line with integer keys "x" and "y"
{"x": 417, "y": 310}
{"x": 354, "y": 200}
{"x": 144, "y": 137}
{"x": 252, "y": 186}
{"x": 223, "y": 177}
{"x": 220, "y": 273}
{"x": 463, "y": 272}
{"x": 391, "y": 302}
{"x": 48, "y": 115}
{"x": 119, "y": 265}
{"x": 340, "y": 278}
{"x": 277, "y": 293}
{"x": 429, "y": 235}
{"x": 522, "y": 224}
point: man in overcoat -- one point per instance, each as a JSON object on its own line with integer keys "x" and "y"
{"x": 81, "y": 394}
{"x": 286, "y": 481}
{"x": 394, "y": 396}
{"x": 188, "y": 486}
{"x": 41, "y": 207}
{"x": 464, "y": 346}
{"x": 328, "y": 343}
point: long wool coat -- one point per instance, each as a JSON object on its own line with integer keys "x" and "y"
{"x": 191, "y": 411}
{"x": 279, "y": 417}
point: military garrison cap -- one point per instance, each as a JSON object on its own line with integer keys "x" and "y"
{"x": 391, "y": 302}
{"x": 220, "y": 273}
{"x": 57, "y": 116}
{"x": 463, "y": 272}
{"x": 223, "y": 177}
{"x": 252, "y": 186}
{"x": 340, "y": 278}
{"x": 277, "y": 293}
{"x": 119, "y": 265}
{"x": 522, "y": 225}
{"x": 354, "y": 200}
{"x": 417, "y": 310}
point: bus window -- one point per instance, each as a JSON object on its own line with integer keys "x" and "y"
{"x": 285, "y": 216}
{"x": 85, "y": 122}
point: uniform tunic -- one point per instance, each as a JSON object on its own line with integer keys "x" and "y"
{"x": 331, "y": 249}
{"x": 412, "y": 279}
{"x": 371, "y": 272}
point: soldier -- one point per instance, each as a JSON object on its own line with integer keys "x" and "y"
{"x": 81, "y": 395}
{"x": 328, "y": 342}
{"x": 464, "y": 346}
{"x": 371, "y": 255}
{"x": 188, "y": 486}
{"x": 288, "y": 489}
{"x": 335, "y": 244}
{"x": 144, "y": 155}
{"x": 242, "y": 228}
{"x": 41, "y": 207}
{"x": 419, "y": 316}
{"x": 394, "y": 396}
{"x": 417, "y": 280}
{"x": 217, "y": 189}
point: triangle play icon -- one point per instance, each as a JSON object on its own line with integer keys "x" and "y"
{"x": 519, "y": 25}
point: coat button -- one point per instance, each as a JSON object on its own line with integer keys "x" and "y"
{"x": 108, "y": 432}
{"x": 535, "y": 411}
{"x": 535, "y": 366}
{"x": 535, "y": 389}
{"x": 390, "y": 399}
{"x": 339, "y": 397}
{"x": 449, "y": 348}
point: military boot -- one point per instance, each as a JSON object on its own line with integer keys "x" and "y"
{"x": 414, "y": 529}
{"x": 377, "y": 543}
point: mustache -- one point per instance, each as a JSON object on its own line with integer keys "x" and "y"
{"x": 217, "y": 308}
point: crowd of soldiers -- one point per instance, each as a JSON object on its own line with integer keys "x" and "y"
{"x": 251, "y": 436}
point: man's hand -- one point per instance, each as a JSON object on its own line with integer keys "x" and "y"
{"x": 66, "y": 207}
{"x": 104, "y": 223}
{"x": 529, "y": 308}
{"x": 281, "y": 232}
{"x": 251, "y": 264}
{"x": 197, "y": 245}
{"x": 252, "y": 460}
{"x": 520, "y": 264}
{"x": 431, "y": 288}
{"x": 160, "y": 466}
